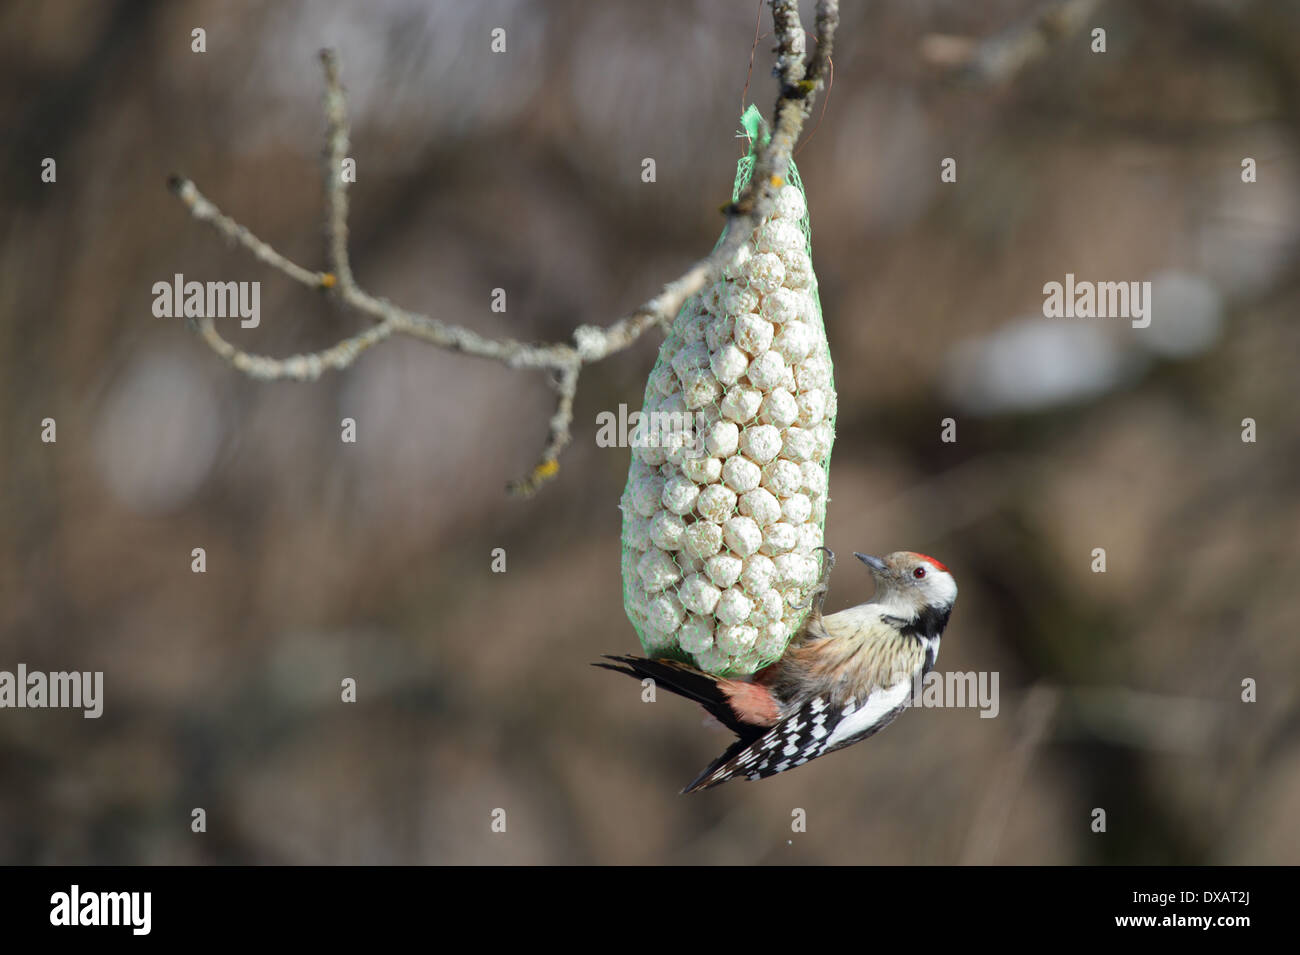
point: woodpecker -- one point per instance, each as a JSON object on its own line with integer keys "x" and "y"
{"x": 843, "y": 677}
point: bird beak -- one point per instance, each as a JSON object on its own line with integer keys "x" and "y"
{"x": 875, "y": 563}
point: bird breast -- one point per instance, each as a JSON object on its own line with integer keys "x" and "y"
{"x": 853, "y": 652}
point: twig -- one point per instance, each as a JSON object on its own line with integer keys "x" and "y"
{"x": 1001, "y": 58}
{"x": 1036, "y": 715}
{"x": 336, "y": 151}
{"x": 1148, "y": 721}
{"x": 799, "y": 85}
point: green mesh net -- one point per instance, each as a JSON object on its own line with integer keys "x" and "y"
{"x": 725, "y": 504}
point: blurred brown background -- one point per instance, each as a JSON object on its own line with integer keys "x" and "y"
{"x": 1118, "y": 690}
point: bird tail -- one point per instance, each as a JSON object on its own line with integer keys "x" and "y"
{"x": 686, "y": 681}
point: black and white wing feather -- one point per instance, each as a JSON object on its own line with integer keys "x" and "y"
{"x": 818, "y": 727}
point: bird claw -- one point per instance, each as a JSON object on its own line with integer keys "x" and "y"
{"x": 817, "y": 596}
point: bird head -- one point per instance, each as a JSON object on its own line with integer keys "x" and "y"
{"x": 911, "y": 584}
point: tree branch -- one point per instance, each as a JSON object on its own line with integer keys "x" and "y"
{"x": 799, "y": 85}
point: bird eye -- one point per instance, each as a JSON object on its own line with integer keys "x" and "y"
{"x": 918, "y": 573}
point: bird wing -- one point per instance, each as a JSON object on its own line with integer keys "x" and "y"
{"x": 818, "y": 727}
